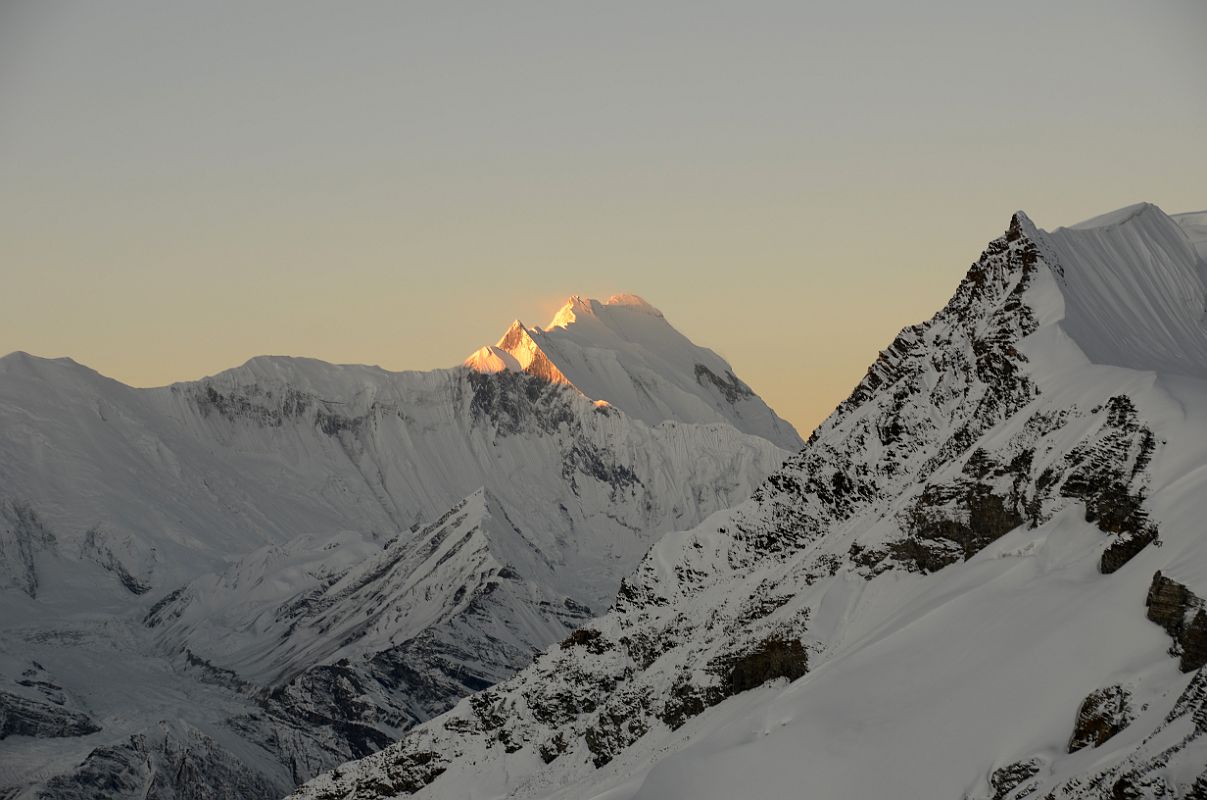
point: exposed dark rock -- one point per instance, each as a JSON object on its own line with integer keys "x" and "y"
{"x": 164, "y": 609}
{"x": 1198, "y": 790}
{"x": 23, "y": 716}
{"x": 22, "y": 536}
{"x": 251, "y": 403}
{"x": 644, "y": 649}
{"x": 488, "y": 710}
{"x": 511, "y": 743}
{"x": 213, "y": 674}
{"x": 951, "y": 523}
{"x": 1194, "y": 643}
{"x": 730, "y": 387}
{"x": 554, "y": 747}
{"x": 112, "y": 771}
{"x": 1124, "y": 549}
{"x": 1144, "y": 773}
{"x": 584, "y": 458}
{"x": 1103, "y": 713}
{"x": 1107, "y": 475}
{"x": 687, "y": 700}
{"x": 333, "y": 423}
{"x": 620, "y": 722}
{"x": 563, "y": 704}
{"x": 770, "y": 659}
{"x": 334, "y": 697}
{"x": 411, "y": 770}
{"x": 1181, "y": 613}
{"x": 167, "y": 766}
{"x": 96, "y": 546}
{"x": 1141, "y": 785}
{"x": 589, "y": 638}
{"x": 1167, "y": 603}
{"x": 1005, "y": 780}
{"x": 515, "y": 402}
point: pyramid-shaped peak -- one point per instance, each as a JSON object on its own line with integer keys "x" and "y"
{"x": 512, "y": 338}
{"x": 493, "y": 359}
{"x": 575, "y": 306}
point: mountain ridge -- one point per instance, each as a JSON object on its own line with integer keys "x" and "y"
{"x": 995, "y": 536}
{"x": 212, "y": 551}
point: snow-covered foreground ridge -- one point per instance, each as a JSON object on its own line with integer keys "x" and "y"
{"x": 227, "y": 586}
{"x": 982, "y": 577}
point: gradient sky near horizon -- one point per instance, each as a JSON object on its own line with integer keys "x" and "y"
{"x": 186, "y": 185}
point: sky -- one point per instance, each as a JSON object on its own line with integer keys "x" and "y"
{"x": 186, "y": 185}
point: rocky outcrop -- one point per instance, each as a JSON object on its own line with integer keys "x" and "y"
{"x": 770, "y": 659}
{"x": 1103, "y": 713}
{"x": 953, "y": 524}
{"x": 1005, "y": 780}
{"x": 730, "y": 386}
{"x": 1166, "y": 763}
{"x": 1126, "y": 547}
{"x": 22, "y": 537}
{"x": 168, "y": 764}
{"x": 131, "y": 564}
{"x": 24, "y": 716}
{"x": 1183, "y": 615}
{"x": 588, "y": 638}
{"x": 1109, "y": 478}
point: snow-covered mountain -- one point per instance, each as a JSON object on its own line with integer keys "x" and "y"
{"x": 623, "y": 352}
{"x": 261, "y": 574}
{"x": 984, "y": 576}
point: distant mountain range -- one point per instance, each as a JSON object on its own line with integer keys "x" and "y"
{"x": 222, "y": 588}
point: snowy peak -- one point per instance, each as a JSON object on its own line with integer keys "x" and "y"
{"x": 491, "y": 358}
{"x": 526, "y": 353}
{"x": 569, "y": 313}
{"x": 1133, "y": 289}
{"x": 624, "y": 352}
{"x": 633, "y": 303}
{"x": 577, "y": 306}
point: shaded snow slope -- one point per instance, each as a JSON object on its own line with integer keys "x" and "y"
{"x": 1194, "y": 225}
{"x": 316, "y": 601}
{"x": 1134, "y": 290}
{"x": 164, "y": 483}
{"x": 623, "y": 351}
{"x": 983, "y": 577}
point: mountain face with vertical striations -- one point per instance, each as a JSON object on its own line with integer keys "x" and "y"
{"x": 223, "y": 588}
{"x": 984, "y": 577}
{"x": 624, "y": 352}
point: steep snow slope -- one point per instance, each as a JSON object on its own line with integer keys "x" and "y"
{"x": 624, "y": 352}
{"x": 154, "y": 483}
{"x": 1194, "y": 225}
{"x": 297, "y": 560}
{"x": 984, "y": 577}
{"x": 319, "y": 601}
{"x": 1135, "y": 294}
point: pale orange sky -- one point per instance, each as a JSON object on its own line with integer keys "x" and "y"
{"x": 183, "y": 186}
